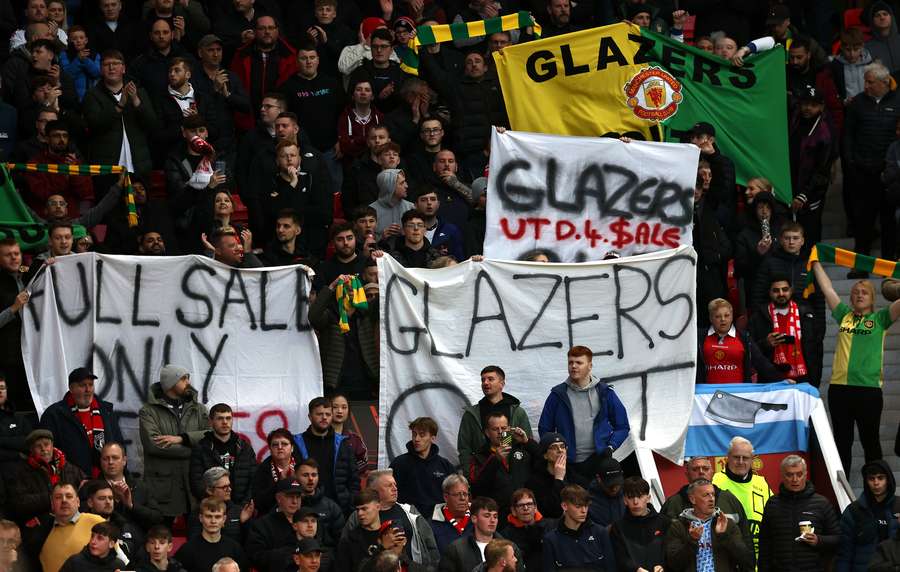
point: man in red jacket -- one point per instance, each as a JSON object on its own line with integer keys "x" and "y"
{"x": 262, "y": 65}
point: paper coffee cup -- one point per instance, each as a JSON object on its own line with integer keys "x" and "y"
{"x": 806, "y": 527}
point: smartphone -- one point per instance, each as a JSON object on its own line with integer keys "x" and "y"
{"x": 787, "y": 339}
{"x": 505, "y": 438}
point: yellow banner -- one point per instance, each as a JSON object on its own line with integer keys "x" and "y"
{"x": 575, "y": 71}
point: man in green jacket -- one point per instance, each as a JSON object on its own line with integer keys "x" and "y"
{"x": 471, "y": 437}
{"x": 171, "y": 422}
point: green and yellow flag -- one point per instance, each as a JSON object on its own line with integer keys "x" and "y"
{"x": 349, "y": 296}
{"x": 17, "y": 221}
{"x": 826, "y": 253}
{"x": 621, "y": 80}
{"x": 429, "y": 35}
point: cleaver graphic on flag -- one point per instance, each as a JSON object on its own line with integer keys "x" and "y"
{"x": 737, "y": 411}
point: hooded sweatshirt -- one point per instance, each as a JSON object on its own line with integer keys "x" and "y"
{"x": 585, "y": 405}
{"x": 390, "y": 209}
{"x": 884, "y": 48}
{"x": 853, "y": 73}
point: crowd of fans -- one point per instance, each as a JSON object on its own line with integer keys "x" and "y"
{"x": 268, "y": 132}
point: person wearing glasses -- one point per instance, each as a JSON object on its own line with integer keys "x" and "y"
{"x": 217, "y": 485}
{"x": 751, "y": 490}
{"x": 526, "y": 527}
{"x": 451, "y": 520}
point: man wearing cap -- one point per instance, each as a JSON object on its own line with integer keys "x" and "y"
{"x": 549, "y": 478}
{"x": 306, "y": 526}
{"x": 885, "y": 43}
{"x": 813, "y": 148}
{"x": 307, "y": 555}
{"x": 81, "y": 423}
{"x": 470, "y": 437}
{"x": 33, "y": 479}
{"x": 272, "y": 537}
{"x": 607, "y": 498}
{"x": 223, "y": 94}
{"x": 170, "y": 423}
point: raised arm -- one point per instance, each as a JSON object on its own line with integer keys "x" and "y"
{"x": 824, "y": 282}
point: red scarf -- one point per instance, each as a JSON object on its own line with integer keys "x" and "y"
{"x": 96, "y": 435}
{"x": 53, "y": 468}
{"x": 791, "y": 354}
{"x": 519, "y": 524}
{"x": 458, "y": 524}
{"x": 288, "y": 473}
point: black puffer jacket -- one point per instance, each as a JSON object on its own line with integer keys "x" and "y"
{"x": 777, "y": 548}
{"x": 243, "y": 466}
{"x": 869, "y": 129}
{"x": 778, "y": 262}
{"x": 475, "y": 104}
{"x": 84, "y": 561}
{"x": 269, "y": 540}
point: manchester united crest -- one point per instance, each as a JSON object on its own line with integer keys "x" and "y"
{"x": 653, "y": 94}
{"x": 719, "y": 355}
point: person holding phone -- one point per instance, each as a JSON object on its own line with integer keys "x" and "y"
{"x": 786, "y": 330}
{"x": 504, "y": 463}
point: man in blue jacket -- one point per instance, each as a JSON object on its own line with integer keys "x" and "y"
{"x": 337, "y": 464}
{"x": 583, "y": 396}
{"x": 81, "y": 423}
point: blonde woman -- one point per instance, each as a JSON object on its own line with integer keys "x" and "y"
{"x": 857, "y": 375}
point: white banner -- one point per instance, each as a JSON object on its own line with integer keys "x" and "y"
{"x": 243, "y": 334}
{"x": 581, "y": 197}
{"x": 439, "y": 328}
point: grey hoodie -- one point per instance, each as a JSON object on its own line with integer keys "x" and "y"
{"x": 585, "y": 406}
{"x": 389, "y": 208}
{"x": 853, "y": 73}
{"x": 885, "y": 49}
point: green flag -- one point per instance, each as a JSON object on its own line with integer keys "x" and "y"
{"x": 18, "y": 222}
{"x": 749, "y": 111}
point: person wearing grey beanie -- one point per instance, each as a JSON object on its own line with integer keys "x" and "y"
{"x": 171, "y": 422}
{"x": 391, "y": 203}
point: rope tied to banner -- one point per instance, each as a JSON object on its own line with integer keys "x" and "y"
{"x": 430, "y": 35}
{"x": 349, "y": 296}
{"x": 85, "y": 170}
{"x": 848, "y": 259}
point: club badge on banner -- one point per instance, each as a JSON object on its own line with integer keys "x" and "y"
{"x": 439, "y": 328}
{"x": 581, "y": 197}
{"x": 243, "y": 334}
{"x": 623, "y": 80}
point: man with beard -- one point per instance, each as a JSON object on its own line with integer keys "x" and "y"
{"x": 179, "y": 101}
{"x": 288, "y": 247}
{"x": 786, "y": 331}
{"x": 345, "y": 259}
{"x": 100, "y": 500}
{"x": 151, "y": 243}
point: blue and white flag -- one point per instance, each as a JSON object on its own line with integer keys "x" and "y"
{"x": 773, "y": 416}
